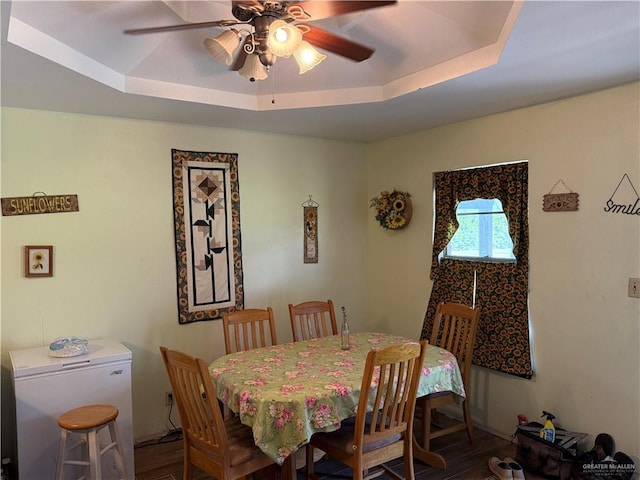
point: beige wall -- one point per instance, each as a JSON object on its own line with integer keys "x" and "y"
{"x": 584, "y": 328}
{"x": 115, "y": 268}
{"x": 114, "y": 259}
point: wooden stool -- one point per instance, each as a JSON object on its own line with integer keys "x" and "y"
{"x": 88, "y": 421}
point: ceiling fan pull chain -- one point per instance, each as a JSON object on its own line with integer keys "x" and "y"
{"x": 273, "y": 87}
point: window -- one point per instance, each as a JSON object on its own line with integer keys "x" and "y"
{"x": 480, "y": 256}
{"x": 483, "y": 232}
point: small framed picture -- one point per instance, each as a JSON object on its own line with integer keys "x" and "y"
{"x": 38, "y": 261}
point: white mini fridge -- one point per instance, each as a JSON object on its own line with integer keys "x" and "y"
{"x": 45, "y": 387}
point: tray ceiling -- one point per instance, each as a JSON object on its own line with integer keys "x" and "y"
{"x": 434, "y": 62}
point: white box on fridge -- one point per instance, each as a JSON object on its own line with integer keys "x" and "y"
{"x": 45, "y": 387}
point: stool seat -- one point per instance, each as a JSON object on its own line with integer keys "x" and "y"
{"x": 89, "y": 416}
{"x": 86, "y": 422}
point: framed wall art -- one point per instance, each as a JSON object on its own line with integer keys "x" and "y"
{"x": 38, "y": 261}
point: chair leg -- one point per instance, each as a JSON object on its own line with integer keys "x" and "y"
{"x": 426, "y": 424}
{"x": 467, "y": 419}
{"x": 435, "y": 417}
{"x": 272, "y": 472}
{"x": 358, "y": 472}
{"x": 408, "y": 457}
{"x": 309, "y": 455}
{"x": 187, "y": 468}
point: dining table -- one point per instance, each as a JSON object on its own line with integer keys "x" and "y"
{"x": 290, "y": 391}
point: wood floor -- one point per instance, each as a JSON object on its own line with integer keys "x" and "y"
{"x": 163, "y": 461}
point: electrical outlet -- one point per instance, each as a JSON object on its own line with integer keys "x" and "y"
{"x": 634, "y": 287}
{"x": 168, "y": 398}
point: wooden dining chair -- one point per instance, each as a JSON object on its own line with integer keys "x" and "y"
{"x": 223, "y": 449}
{"x": 248, "y": 329}
{"x": 314, "y": 319}
{"x": 454, "y": 329}
{"x": 388, "y": 391}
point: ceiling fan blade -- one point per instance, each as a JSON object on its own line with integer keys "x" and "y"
{"x": 247, "y": 3}
{"x": 319, "y": 9}
{"x": 183, "y": 26}
{"x": 336, "y": 44}
{"x": 245, "y": 10}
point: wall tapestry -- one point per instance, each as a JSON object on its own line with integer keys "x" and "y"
{"x": 206, "y": 212}
{"x": 310, "y": 245}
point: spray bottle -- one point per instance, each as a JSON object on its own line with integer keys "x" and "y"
{"x": 548, "y": 432}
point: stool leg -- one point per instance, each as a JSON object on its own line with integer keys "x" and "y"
{"x": 94, "y": 455}
{"x": 62, "y": 448}
{"x": 85, "y": 453}
{"x": 118, "y": 452}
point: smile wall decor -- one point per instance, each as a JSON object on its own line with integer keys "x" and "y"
{"x": 624, "y": 199}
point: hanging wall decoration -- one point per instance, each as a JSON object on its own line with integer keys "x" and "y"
{"x": 393, "y": 209}
{"x": 560, "y": 202}
{"x": 624, "y": 199}
{"x": 39, "y": 202}
{"x": 38, "y": 261}
{"x": 206, "y": 205}
{"x": 310, "y": 245}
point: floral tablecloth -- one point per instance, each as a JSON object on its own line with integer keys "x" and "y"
{"x": 288, "y": 392}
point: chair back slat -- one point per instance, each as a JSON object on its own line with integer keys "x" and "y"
{"x": 194, "y": 394}
{"x": 389, "y": 389}
{"x": 224, "y": 449}
{"x": 248, "y": 329}
{"x": 313, "y": 319}
{"x": 454, "y": 329}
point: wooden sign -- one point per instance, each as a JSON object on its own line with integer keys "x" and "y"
{"x": 560, "y": 202}
{"x": 39, "y": 204}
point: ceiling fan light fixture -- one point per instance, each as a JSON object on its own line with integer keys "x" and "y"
{"x": 283, "y": 38}
{"x": 307, "y": 57}
{"x": 223, "y": 46}
{"x": 253, "y": 69}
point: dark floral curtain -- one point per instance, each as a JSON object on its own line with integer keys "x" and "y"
{"x": 501, "y": 289}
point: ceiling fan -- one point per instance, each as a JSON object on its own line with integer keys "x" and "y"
{"x": 271, "y": 29}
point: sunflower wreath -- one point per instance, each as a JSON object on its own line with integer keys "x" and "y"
{"x": 393, "y": 209}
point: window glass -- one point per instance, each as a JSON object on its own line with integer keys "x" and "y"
{"x": 483, "y": 232}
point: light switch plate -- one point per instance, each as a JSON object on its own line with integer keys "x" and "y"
{"x": 634, "y": 287}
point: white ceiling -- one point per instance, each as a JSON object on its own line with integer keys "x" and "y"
{"x": 434, "y": 63}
